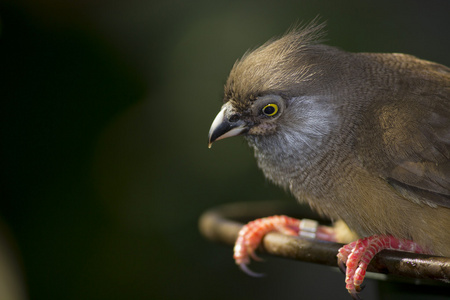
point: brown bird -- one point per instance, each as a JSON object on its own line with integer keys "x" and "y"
{"x": 364, "y": 138}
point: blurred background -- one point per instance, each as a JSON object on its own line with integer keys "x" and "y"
{"x": 105, "y": 110}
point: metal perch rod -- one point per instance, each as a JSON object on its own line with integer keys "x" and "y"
{"x": 222, "y": 224}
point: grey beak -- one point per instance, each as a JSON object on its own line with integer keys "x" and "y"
{"x": 222, "y": 128}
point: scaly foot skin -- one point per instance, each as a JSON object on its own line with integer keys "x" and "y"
{"x": 357, "y": 256}
{"x": 250, "y": 236}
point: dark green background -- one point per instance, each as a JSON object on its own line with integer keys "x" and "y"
{"x": 105, "y": 110}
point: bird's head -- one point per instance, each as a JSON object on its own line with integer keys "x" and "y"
{"x": 276, "y": 94}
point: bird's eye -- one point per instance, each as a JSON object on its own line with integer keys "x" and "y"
{"x": 270, "y": 110}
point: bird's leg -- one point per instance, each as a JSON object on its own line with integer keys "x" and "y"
{"x": 357, "y": 256}
{"x": 250, "y": 236}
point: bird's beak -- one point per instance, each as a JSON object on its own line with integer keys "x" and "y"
{"x": 222, "y": 128}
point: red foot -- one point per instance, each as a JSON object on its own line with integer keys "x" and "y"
{"x": 357, "y": 256}
{"x": 251, "y": 235}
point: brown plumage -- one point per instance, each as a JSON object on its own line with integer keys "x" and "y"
{"x": 362, "y": 137}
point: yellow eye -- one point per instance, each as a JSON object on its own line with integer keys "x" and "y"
{"x": 270, "y": 110}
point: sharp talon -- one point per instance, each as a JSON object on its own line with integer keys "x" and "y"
{"x": 250, "y": 272}
{"x": 359, "y": 288}
{"x": 256, "y": 257}
{"x": 355, "y": 295}
{"x": 342, "y": 266}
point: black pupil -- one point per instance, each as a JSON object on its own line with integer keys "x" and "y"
{"x": 269, "y": 110}
{"x": 234, "y": 118}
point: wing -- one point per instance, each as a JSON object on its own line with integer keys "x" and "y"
{"x": 421, "y": 172}
{"x": 410, "y": 140}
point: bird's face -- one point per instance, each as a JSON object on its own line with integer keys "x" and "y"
{"x": 279, "y": 125}
{"x": 257, "y": 117}
{"x": 272, "y": 96}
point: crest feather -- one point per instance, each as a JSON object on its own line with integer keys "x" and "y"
{"x": 274, "y": 64}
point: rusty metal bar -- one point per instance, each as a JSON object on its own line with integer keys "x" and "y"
{"x": 222, "y": 224}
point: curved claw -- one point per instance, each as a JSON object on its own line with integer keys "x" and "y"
{"x": 250, "y": 272}
{"x": 342, "y": 266}
{"x": 355, "y": 292}
{"x": 255, "y": 257}
{"x": 355, "y": 295}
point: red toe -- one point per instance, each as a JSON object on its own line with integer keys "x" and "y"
{"x": 250, "y": 235}
{"x": 357, "y": 256}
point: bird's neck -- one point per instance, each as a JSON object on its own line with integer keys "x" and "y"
{"x": 286, "y": 160}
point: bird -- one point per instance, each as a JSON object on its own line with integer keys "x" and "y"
{"x": 363, "y": 138}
